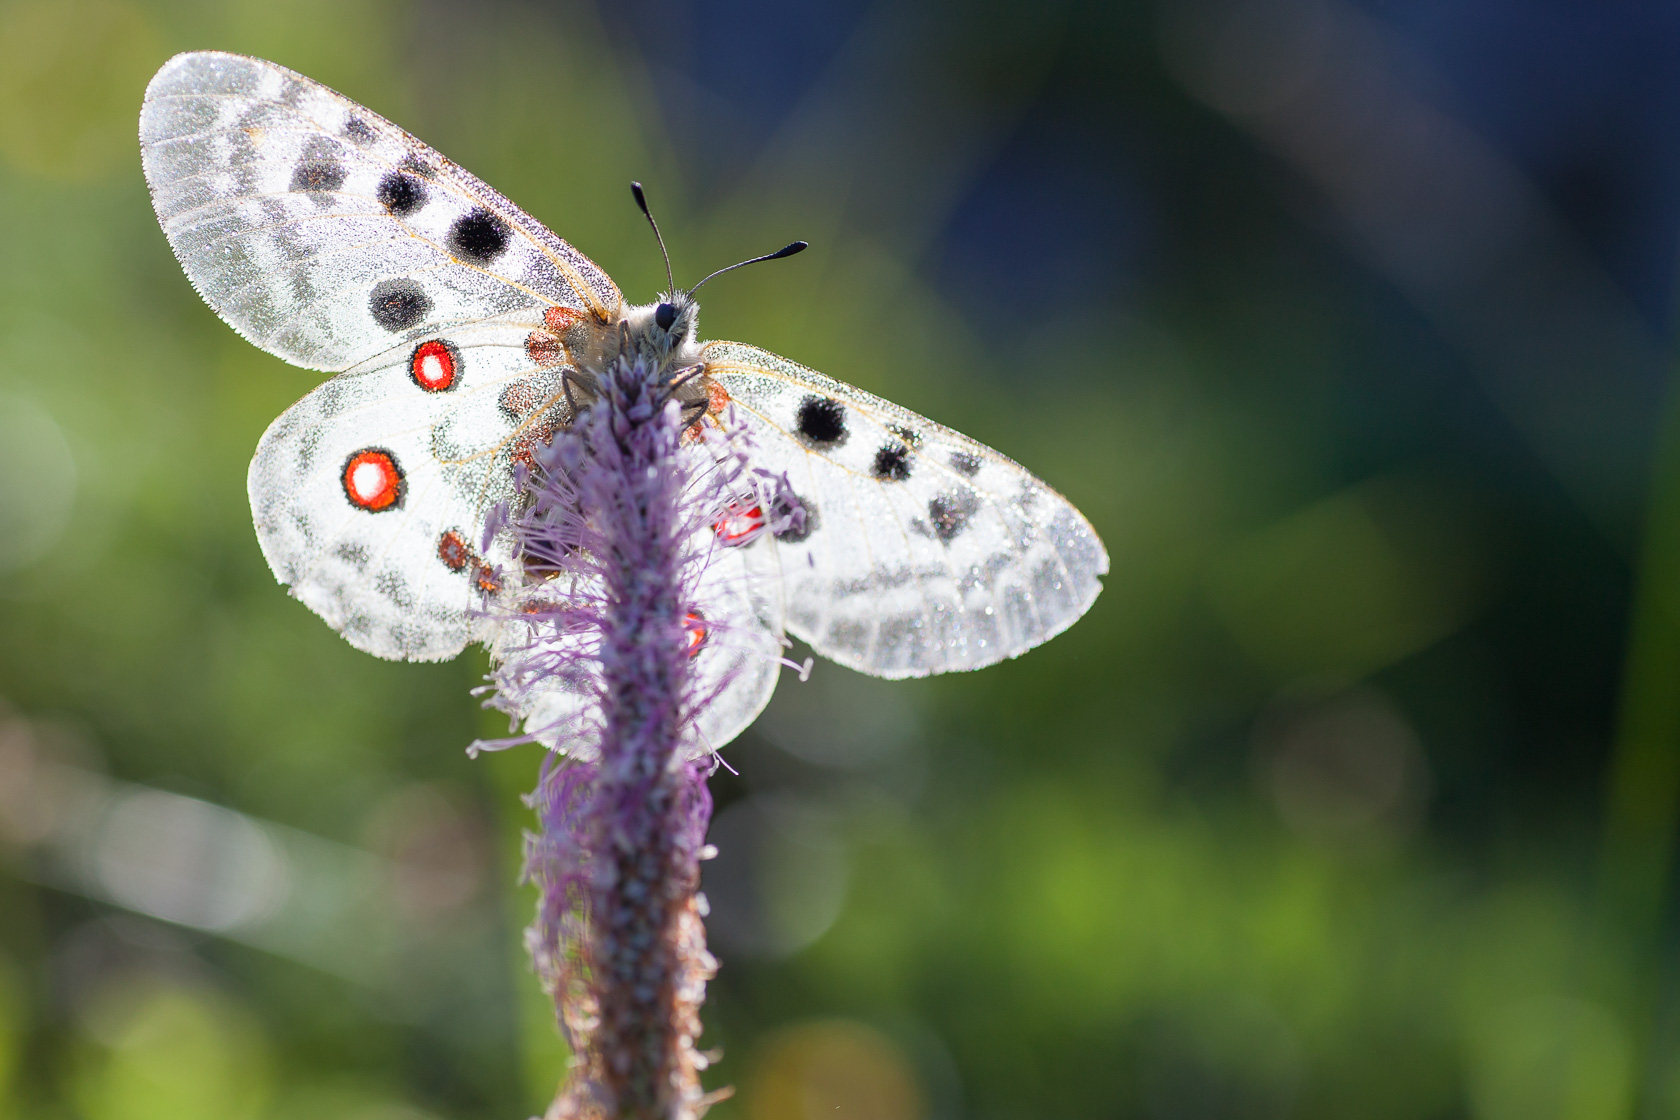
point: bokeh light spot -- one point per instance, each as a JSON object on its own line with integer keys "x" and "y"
{"x": 832, "y": 1068}
{"x": 171, "y": 1050}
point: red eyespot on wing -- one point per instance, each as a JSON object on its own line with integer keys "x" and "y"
{"x": 740, "y": 523}
{"x": 373, "y": 481}
{"x": 434, "y": 365}
{"x": 524, "y": 448}
{"x": 454, "y": 551}
{"x": 695, "y": 624}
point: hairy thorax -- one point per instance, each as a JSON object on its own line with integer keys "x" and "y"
{"x": 662, "y": 334}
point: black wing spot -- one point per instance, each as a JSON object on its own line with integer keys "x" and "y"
{"x": 950, "y": 513}
{"x": 414, "y": 165}
{"x": 358, "y": 131}
{"x": 318, "y": 175}
{"x": 401, "y": 194}
{"x": 822, "y": 421}
{"x": 398, "y": 304}
{"x": 892, "y": 463}
{"x": 479, "y": 237}
{"x": 965, "y": 463}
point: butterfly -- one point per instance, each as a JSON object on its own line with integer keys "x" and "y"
{"x": 451, "y": 321}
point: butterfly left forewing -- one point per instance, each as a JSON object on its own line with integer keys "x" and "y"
{"x": 923, "y": 551}
{"x": 324, "y": 233}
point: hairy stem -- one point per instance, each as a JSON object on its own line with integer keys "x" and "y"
{"x": 619, "y": 938}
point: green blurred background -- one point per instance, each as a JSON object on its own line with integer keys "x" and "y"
{"x": 1353, "y": 796}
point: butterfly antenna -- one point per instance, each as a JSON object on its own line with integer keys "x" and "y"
{"x": 784, "y": 251}
{"x": 641, "y": 201}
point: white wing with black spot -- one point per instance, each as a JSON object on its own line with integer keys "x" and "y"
{"x": 922, "y": 551}
{"x": 324, "y": 233}
{"x": 370, "y": 494}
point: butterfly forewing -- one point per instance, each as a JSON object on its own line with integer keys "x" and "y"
{"x": 324, "y": 233}
{"x": 922, "y": 551}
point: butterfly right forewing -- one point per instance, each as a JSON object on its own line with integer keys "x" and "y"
{"x": 922, "y": 551}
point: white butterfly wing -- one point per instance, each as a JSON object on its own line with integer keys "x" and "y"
{"x": 923, "y": 550}
{"x": 324, "y": 233}
{"x": 740, "y": 604}
{"x": 370, "y": 494}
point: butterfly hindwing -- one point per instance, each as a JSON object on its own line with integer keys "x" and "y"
{"x": 737, "y": 623}
{"x": 324, "y": 233}
{"x": 922, "y": 551}
{"x": 400, "y": 571}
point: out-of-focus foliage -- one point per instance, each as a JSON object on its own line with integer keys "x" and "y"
{"x": 1354, "y": 795}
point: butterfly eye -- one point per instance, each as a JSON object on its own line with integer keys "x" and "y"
{"x": 665, "y": 315}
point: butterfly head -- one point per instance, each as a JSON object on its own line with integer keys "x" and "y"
{"x": 664, "y": 330}
{"x": 676, "y": 315}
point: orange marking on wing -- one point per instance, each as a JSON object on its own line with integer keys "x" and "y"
{"x": 698, "y": 632}
{"x": 544, "y": 349}
{"x": 562, "y": 319}
{"x": 717, "y": 399}
{"x": 454, "y": 551}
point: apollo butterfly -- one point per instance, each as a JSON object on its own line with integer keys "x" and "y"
{"x": 453, "y": 324}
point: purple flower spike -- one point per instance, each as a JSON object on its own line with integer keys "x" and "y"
{"x": 604, "y": 660}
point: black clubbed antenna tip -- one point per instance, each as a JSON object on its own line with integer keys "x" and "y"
{"x": 641, "y": 201}
{"x": 784, "y": 251}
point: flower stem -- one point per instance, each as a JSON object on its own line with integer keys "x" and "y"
{"x": 619, "y": 938}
